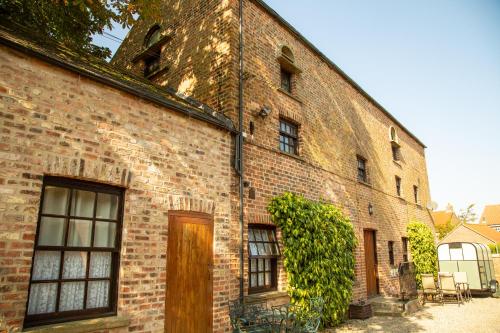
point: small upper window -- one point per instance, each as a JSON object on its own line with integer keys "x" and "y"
{"x": 362, "y": 175}
{"x": 398, "y": 186}
{"x": 415, "y": 193}
{"x": 152, "y": 36}
{"x": 395, "y": 152}
{"x": 393, "y": 134}
{"x": 288, "y": 137}
{"x": 152, "y": 61}
{"x": 287, "y": 53}
{"x": 286, "y": 80}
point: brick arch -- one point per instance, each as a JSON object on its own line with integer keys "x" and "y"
{"x": 186, "y": 203}
{"x": 113, "y": 174}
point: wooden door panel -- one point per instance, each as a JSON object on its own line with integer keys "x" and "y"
{"x": 188, "y": 305}
{"x": 370, "y": 262}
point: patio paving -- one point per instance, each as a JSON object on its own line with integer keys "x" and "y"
{"x": 480, "y": 315}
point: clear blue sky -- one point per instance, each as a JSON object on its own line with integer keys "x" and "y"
{"x": 435, "y": 65}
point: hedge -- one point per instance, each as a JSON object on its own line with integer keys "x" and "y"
{"x": 319, "y": 242}
{"x": 423, "y": 249}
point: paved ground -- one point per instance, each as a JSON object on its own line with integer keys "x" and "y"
{"x": 481, "y": 315}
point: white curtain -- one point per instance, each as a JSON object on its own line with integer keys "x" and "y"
{"x": 42, "y": 298}
{"x": 97, "y": 296}
{"x": 71, "y": 296}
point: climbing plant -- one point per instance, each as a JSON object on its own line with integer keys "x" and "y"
{"x": 319, "y": 243}
{"x": 423, "y": 249}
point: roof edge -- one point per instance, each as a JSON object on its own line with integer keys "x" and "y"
{"x": 356, "y": 86}
{"x": 108, "y": 80}
{"x": 477, "y": 232}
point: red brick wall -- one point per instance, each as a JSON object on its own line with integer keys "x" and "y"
{"x": 55, "y": 122}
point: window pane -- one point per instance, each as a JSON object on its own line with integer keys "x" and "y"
{"x": 79, "y": 232}
{"x": 261, "y": 248}
{"x": 97, "y": 295}
{"x": 52, "y": 230}
{"x": 265, "y": 236}
{"x": 258, "y": 236}
{"x": 42, "y": 298}
{"x": 275, "y": 249}
{"x": 253, "y": 249}
{"x": 104, "y": 234}
{"x": 268, "y": 264}
{"x": 75, "y": 265}
{"x": 251, "y": 236}
{"x": 253, "y": 280}
{"x": 261, "y": 265}
{"x": 269, "y": 250}
{"x": 272, "y": 236}
{"x": 253, "y": 265}
{"x": 261, "y": 279}
{"x": 100, "y": 265}
{"x": 107, "y": 206}
{"x": 55, "y": 200}
{"x": 71, "y": 296}
{"x": 46, "y": 265}
{"x": 268, "y": 278}
{"x": 82, "y": 204}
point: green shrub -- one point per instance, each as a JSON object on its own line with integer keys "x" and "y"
{"x": 494, "y": 248}
{"x": 319, "y": 243}
{"x": 423, "y": 249}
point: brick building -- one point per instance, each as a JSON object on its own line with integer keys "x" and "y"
{"x": 93, "y": 163}
{"x": 308, "y": 129}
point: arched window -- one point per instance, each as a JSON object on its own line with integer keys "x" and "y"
{"x": 152, "y": 36}
{"x": 287, "y": 53}
{"x": 394, "y": 136}
{"x": 152, "y": 61}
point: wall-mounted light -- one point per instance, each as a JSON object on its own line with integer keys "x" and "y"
{"x": 265, "y": 111}
{"x": 370, "y": 209}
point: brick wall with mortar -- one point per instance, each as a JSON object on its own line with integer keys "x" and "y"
{"x": 336, "y": 123}
{"x": 55, "y": 122}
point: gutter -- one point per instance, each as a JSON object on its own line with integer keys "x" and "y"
{"x": 221, "y": 122}
{"x": 240, "y": 142}
{"x": 323, "y": 57}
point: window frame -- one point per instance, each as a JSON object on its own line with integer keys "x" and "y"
{"x": 398, "y": 186}
{"x": 396, "y": 151}
{"x": 293, "y": 136}
{"x": 34, "y": 320}
{"x": 286, "y": 74}
{"x": 415, "y": 194}
{"x": 272, "y": 258}
{"x": 404, "y": 241}
{"x": 364, "y": 170}
{"x": 390, "y": 246}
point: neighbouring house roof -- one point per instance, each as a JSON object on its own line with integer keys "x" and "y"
{"x": 485, "y": 231}
{"x": 442, "y": 217}
{"x": 491, "y": 215}
{"x": 103, "y": 72}
{"x": 311, "y": 46}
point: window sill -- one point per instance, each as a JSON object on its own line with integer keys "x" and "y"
{"x": 289, "y": 95}
{"x": 298, "y": 157}
{"x": 160, "y": 70}
{"x": 265, "y": 296}
{"x": 365, "y": 183}
{"x": 82, "y": 326}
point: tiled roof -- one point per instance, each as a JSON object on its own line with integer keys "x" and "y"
{"x": 441, "y": 217}
{"x": 491, "y": 215}
{"x": 485, "y": 231}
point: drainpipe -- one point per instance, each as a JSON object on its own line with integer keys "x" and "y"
{"x": 240, "y": 141}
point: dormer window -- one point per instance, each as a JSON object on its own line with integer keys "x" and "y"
{"x": 153, "y": 55}
{"x": 288, "y": 69}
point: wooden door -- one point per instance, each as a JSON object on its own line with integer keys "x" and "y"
{"x": 370, "y": 263}
{"x": 188, "y": 304}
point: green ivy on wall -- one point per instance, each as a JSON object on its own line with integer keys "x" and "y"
{"x": 423, "y": 249}
{"x": 319, "y": 243}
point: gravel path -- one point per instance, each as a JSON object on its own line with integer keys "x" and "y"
{"x": 480, "y": 315}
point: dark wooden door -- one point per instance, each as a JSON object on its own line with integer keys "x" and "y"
{"x": 370, "y": 263}
{"x": 188, "y": 304}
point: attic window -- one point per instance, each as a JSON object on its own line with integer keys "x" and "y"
{"x": 287, "y": 53}
{"x": 152, "y": 37}
{"x": 152, "y": 58}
